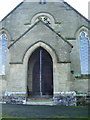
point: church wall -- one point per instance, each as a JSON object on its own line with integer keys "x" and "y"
{"x": 62, "y": 78}
{"x": 3, "y": 86}
{"x": 80, "y": 85}
{"x": 61, "y": 72}
{"x": 75, "y": 57}
{"x": 18, "y": 78}
{"x": 66, "y": 22}
{"x": 16, "y": 81}
{"x": 40, "y": 33}
{"x": 66, "y": 26}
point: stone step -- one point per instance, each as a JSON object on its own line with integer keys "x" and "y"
{"x": 40, "y": 102}
{"x": 39, "y": 99}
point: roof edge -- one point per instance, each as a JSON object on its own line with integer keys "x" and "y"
{"x": 32, "y": 27}
{"x": 43, "y": 1}
{"x": 10, "y": 12}
{"x": 77, "y": 11}
{"x": 22, "y": 35}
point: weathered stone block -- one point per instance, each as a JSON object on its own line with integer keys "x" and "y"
{"x": 65, "y": 99}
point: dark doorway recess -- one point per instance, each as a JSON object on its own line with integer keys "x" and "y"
{"x": 42, "y": 73}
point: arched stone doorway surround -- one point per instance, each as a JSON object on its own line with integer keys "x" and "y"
{"x": 53, "y": 56}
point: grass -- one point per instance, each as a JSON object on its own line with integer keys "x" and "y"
{"x": 24, "y": 112}
{"x": 46, "y": 119}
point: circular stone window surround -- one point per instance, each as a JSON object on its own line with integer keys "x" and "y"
{"x": 43, "y": 16}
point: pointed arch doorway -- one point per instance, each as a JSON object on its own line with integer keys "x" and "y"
{"x": 40, "y": 74}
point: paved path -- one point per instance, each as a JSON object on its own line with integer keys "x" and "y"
{"x": 35, "y": 111}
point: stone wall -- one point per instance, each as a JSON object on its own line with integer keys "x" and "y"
{"x": 3, "y": 85}
{"x": 40, "y": 33}
{"x": 80, "y": 85}
{"x": 62, "y": 77}
{"x": 75, "y": 56}
{"x": 67, "y": 26}
{"x": 15, "y": 97}
{"x": 18, "y": 77}
{"x": 19, "y": 27}
{"x": 17, "y": 81}
{"x": 65, "y": 99}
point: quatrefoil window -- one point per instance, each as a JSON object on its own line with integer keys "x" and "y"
{"x": 45, "y": 19}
